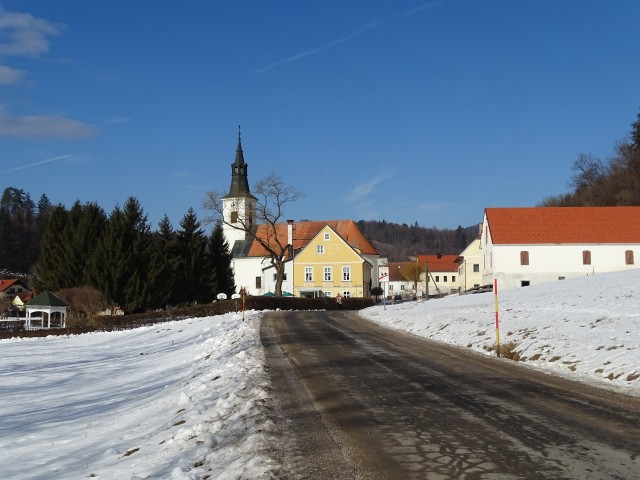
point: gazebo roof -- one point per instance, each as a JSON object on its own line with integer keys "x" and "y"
{"x": 46, "y": 299}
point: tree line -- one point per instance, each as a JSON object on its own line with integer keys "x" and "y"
{"x": 398, "y": 242}
{"x": 117, "y": 254}
{"x": 612, "y": 182}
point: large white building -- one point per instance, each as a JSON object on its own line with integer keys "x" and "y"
{"x": 527, "y": 246}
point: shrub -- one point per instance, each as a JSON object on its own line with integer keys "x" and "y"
{"x": 508, "y": 350}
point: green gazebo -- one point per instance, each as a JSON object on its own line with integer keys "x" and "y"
{"x": 47, "y": 304}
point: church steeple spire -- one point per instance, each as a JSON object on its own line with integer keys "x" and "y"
{"x": 239, "y": 180}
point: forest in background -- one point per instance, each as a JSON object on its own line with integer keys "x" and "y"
{"x": 55, "y": 248}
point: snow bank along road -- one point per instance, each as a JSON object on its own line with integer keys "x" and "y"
{"x": 360, "y": 401}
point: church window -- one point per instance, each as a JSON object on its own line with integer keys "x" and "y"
{"x": 234, "y": 217}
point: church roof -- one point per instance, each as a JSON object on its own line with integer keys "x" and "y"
{"x": 46, "y": 299}
{"x": 304, "y": 232}
{"x": 239, "y": 178}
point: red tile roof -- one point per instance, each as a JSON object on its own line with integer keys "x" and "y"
{"x": 395, "y": 271}
{"x": 439, "y": 263}
{"x": 304, "y": 232}
{"x": 5, "y": 284}
{"x": 557, "y": 225}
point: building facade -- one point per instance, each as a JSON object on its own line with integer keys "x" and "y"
{"x": 528, "y": 246}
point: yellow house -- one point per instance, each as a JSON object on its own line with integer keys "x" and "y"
{"x": 328, "y": 265}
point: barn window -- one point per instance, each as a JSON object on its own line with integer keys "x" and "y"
{"x": 524, "y": 257}
{"x": 586, "y": 257}
{"x": 628, "y": 257}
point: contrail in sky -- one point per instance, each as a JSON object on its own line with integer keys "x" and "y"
{"x": 370, "y": 26}
{"x": 34, "y": 164}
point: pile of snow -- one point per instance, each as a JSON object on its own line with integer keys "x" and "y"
{"x": 180, "y": 400}
{"x": 587, "y": 328}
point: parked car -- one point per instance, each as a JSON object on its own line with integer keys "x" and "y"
{"x": 397, "y": 299}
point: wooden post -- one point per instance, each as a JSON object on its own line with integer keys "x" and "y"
{"x": 495, "y": 294}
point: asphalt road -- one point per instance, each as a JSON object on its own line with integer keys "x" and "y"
{"x": 355, "y": 400}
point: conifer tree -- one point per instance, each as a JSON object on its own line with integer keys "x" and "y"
{"x": 221, "y": 274}
{"x": 52, "y": 252}
{"x": 163, "y": 266}
{"x": 137, "y": 242}
{"x": 193, "y": 266}
{"x": 119, "y": 265}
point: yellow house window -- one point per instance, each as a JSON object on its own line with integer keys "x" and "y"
{"x": 346, "y": 273}
{"x": 328, "y": 274}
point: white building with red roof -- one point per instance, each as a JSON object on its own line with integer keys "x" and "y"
{"x": 527, "y": 246}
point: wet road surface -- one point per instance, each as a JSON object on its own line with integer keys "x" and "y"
{"x": 355, "y": 400}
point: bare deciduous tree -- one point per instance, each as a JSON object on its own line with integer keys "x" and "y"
{"x": 411, "y": 272}
{"x": 272, "y": 195}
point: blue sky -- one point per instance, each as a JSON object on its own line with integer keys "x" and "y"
{"x": 384, "y": 109}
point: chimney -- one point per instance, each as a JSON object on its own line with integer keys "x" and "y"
{"x": 290, "y": 237}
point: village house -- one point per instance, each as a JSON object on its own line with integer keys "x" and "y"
{"x": 12, "y": 287}
{"x": 398, "y": 284}
{"x": 470, "y": 266}
{"x": 322, "y": 258}
{"x": 442, "y": 273}
{"x": 528, "y": 246}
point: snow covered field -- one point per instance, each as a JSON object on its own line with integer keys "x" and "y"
{"x": 180, "y": 400}
{"x": 187, "y": 400}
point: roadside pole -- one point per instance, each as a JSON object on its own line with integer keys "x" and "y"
{"x": 244, "y": 296}
{"x": 495, "y": 294}
{"x": 383, "y": 278}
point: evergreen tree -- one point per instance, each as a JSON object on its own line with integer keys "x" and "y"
{"x": 138, "y": 242}
{"x": 119, "y": 265}
{"x": 163, "y": 266}
{"x": 67, "y": 245}
{"x": 194, "y": 266}
{"x": 221, "y": 274}
{"x": 52, "y": 253}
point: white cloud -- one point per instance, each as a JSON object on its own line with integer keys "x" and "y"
{"x": 11, "y": 76}
{"x": 42, "y": 126}
{"x": 21, "y": 34}
{"x": 367, "y": 187}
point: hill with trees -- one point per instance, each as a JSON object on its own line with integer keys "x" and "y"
{"x": 598, "y": 183}
{"x": 398, "y": 242}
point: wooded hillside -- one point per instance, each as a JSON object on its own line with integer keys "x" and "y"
{"x": 399, "y": 241}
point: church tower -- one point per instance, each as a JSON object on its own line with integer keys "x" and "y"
{"x": 238, "y": 206}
